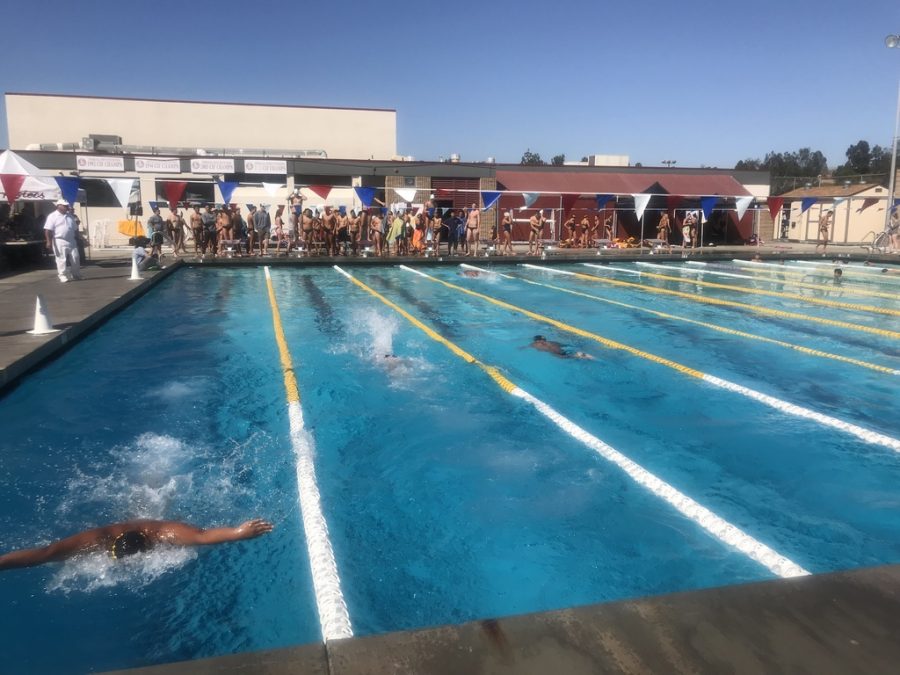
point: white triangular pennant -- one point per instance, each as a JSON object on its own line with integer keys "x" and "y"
{"x": 530, "y": 198}
{"x": 741, "y": 204}
{"x": 272, "y": 188}
{"x": 838, "y": 200}
{"x": 406, "y": 194}
{"x": 121, "y": 188}
{"x": 640, "y": 203}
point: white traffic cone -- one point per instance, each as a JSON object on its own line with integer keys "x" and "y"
{"x": 42, "y": 323}
{"x": 135, "y": 272}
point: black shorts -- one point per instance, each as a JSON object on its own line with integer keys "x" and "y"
{"x": 156, "y": 238}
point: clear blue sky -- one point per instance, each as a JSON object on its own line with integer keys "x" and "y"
{"x": 703, "y": 83}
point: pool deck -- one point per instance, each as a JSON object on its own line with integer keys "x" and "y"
{"x": 842, "y": 623}
{"x": 846, "y": 622}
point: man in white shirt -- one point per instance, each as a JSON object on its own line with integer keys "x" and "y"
{"x": 59, "y": 231}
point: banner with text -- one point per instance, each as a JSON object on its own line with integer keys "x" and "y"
{"x": 212, "y": 165}
{"x": 157, "y": 164}
{"x": 273, "y": 166}
{"x": 96, "y": 163}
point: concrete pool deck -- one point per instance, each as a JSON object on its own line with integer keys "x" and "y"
{"x": 845, "y": 622}
{"x": 841, "y": 623}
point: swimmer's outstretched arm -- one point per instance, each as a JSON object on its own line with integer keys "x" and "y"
{"x": 58, "y": 550}
{"x": 188, "y": 535}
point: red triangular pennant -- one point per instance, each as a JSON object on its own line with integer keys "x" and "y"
{"x": 12, "y": 183}
{"x": 174, "y": 191}
{"x": 568, "y": 201}
{"x": 321, "y": 190}
{"x": 775, "y": 204}
{"x": 672, "y": 202}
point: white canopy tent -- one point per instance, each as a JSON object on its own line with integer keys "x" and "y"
{"x": 34, "y": 187}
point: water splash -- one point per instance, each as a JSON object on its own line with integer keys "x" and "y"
{"x": 89, "y": 573}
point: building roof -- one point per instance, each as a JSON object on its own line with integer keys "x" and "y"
{"x": 831, "y": 190}
{"x": 607, "y": 182}
{"x": 167, "y": 100}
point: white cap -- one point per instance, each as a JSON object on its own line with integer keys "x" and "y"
{"x": 61, "y": 202}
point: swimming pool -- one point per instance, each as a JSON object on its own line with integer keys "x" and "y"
{"x": 707, "y": 443}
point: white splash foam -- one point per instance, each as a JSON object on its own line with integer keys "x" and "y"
{"x": 89, "y": 573}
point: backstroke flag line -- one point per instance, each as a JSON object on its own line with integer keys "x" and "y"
{"x": 366, "y": 195}
{"x": 226, "y": 188}
{"x": 806, "y": 202}
{"x": 175, "y": 191}
{"x": 121, "y": 188}
{"x": 741, "y": 204}
{"x": 775, "y": 204}
{"x": 707, "y": 204}
{"x": 69, "y": 188}
{"x": 640, "y": 204}
{"x": 602, "y": 201}
{"x": 406, "y": 194}
{"x": 489, "y": 198}
{"x": 12, "y": 184}
{"x": 272, "y": 188}
{"x": 530, "y": 198}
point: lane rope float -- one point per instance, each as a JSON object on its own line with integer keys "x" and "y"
{"x": 712, "y": 523}
{"x": 674, "y": 317}
{"x": 334, "y": 618}
{"x": 866, "y": 435}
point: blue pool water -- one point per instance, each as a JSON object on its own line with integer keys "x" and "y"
{"x": 446, "y": 499}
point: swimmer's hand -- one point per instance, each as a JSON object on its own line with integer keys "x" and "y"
{"x": 254, "y": 528}
{"x": 584, "y": 355}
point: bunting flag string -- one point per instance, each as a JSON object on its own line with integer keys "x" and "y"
{"x": 602, "y": 201}
{"x": 741, "y": 204}
{"x": 365, "y": 195}
{"x": 321, "y": 190}
{"x": 838, "y": 200}
{"x": 806, "y": 202}
{"x": 444, "y": 210}
{"x": 640, "y": 204}
{"x": 272, "y": 188}
{"x": 568, "y": 201}
{"x": 867, "y": 202}
{"x": 122, "y": 189}
{"x": 775, "y": 204}
{"x": 406, "y": 194}
{"x": 707, "y": 204}
{"x": 489, "y": 198}
{"x": 226, "y": 188}
{"x": 174, "y": 191}
{"x": 68, "y": 187}
{"x": 12, "y": 185}
{"x": 895, "y": 204}
{"x": 530, "y": 198}
{"x": 672, "y": 202}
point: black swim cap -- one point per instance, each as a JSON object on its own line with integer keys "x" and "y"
{"x": 539, "y": 338}
{"x": 129, "y": 543}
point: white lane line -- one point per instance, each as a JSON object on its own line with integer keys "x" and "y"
{"x": 334, "y": 618}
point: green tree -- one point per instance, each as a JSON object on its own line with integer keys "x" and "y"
{"x": 531, "y": 158}
{"x": 558, "y": 160}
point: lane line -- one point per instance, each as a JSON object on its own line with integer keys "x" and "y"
{"x": 873, "y": 309}
{"x": 722, "y": 329}
{"x": 859, "y": 432}
{"x": 843, "y": 289}
{"x": 726, "y": 303}
{"x": 713, "y": 524}
{"x": 334, "y": 619}
{"x": 865, "y": 278}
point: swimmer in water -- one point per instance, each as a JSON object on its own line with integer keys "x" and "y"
{"x": 543, "y": 344}
{"x": 120, "y": 540}
{"x": 838, "y": 274}
{"x": 469, "y": 273}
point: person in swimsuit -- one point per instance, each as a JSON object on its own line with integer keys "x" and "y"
{"x": 608, "y": 228}
{"x": 473, "y": 225}
{"x": 353, "y": 231}
{"x": 824, "y": 229}
{"x": 120, "y": 540}
{"x": 544, "y": 345}
{"x": 306, "y": 228}
{"x": 197, "y": 229}
{"x": 507, "y": 248}
{"x": 375, "y": 225}
{"x": 537, "y": 225}
{"x": 585, "y": 225}
{"x": 662, "y": 230}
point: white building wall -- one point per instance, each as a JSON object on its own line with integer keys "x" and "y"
{"x": 342, "y": 133}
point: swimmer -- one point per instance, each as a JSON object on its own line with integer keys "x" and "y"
{"x": 838, "y": 274}
{"x": 469, "y": 273}
{"x": 120, "y": 540}
{"x": 543, "y": 344}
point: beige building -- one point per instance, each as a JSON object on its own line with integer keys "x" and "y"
{"x": 183, "y": 127}
{"x": 859, "y": 211}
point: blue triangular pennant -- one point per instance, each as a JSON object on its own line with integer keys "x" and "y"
{"x": 489, "y": 198}
{"x": 807, "y": 202}
{"x": 383, "y": 211}
{"x": 707, "y": 204}
{"x": 366, "y": 195}
{"x": 226, "y": 187}
{"x": 895, "y": 204}
{"x": 602, "y": 201}
{"x": 69, "y": 188}
{"x": 153, "y": 205}
{"x": 431, "y": 212}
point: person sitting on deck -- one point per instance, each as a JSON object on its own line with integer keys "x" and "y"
{"x": 123, "y": 539}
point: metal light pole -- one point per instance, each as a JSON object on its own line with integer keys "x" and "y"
{"x": 893, "y": 42}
